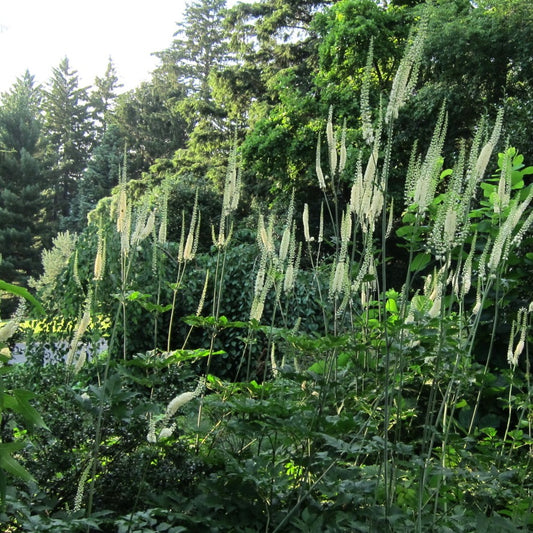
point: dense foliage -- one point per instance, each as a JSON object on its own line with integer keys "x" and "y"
{"x": 284, "y": 284}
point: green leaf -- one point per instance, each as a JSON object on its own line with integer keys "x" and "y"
{"x": 149, "y": 306}
{"x": 391, "y": 306}
{"x": 404, "y": 231}
{"x": 445, "y": 173}
{"x": 26, "y": 410}
{"x": 419, "y": 262}
{"x": 318, "y": 367}
{"x": 421, "y": 303}
{"x": 11, "y": 465}
{"x": 23, "y": 293}
{"x": 146, "y": 382}
{"x": 164, "y": 359}
{"x": 343, "y": 359}
{"x": 136, "y": 295}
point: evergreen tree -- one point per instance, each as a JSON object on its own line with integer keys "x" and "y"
{"x": 21, "y": 183}
{"x": 102, "y": 99}
{"x": 101, "y": 174}
{"x": 150, "y": 123}
{"x": 69, "y": 135}
{"x": 200, "y": 47}
{"x": 199, "y": 51}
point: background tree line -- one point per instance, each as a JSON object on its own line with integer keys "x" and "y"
{"x": 263, "y": 75}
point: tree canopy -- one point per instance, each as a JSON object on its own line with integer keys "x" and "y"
{"x": 263, "y": 75}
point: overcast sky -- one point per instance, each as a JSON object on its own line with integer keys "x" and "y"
{"x": 37, "y": 34}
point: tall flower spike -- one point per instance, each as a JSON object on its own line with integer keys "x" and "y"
{"x": 284, "y": 245}
{"x": 391, "y": 218}
{"x": 522, "y": 328}
{"x": 76, "y": 271}
{"x": 293, "y": 266}
{"x": 8, "y": 330}
{"x": 428, "y": 176}
{"x": 163, "y": 225}
{"x": 366, "y": 113}
{"x": 148, "y": 227}
{"x": 305, "y": 222}
{"x": 466, "y": 277}
{"x": 486, "y": 151}
{"x": 78, "y": 500}
{"x": 332, "y": 143}
{"x": 503, "y": 239}
{"x": 510, "y": 356}
{"x": 319, "y": 173}
{"x": 477, "y": 306}
{"x": 187, "y": 247}
{"x": 82, "y": 357}
{"x": 183, "y": 398}
{"x": 342, "y": 149}
{"x": 264, "y": 235}
{"x": 407, "y": 73}
{"x": 99, "y": 260}
{"x": 80, "y": 330}
{"x": 181, "y": 245}
{"x": 202, "y": 297}
{"x": 258, "y": 303}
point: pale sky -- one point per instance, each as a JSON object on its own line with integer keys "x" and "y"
{"x": 37, "y": 34}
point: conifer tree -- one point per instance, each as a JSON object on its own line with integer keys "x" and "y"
{"x": 200, "y": 46}
{"x": 69, "y": 135}
{"x": 101, "y": 174}
{"x": 199, "y": 50}
{"x": 102, "y": 99}
{"x": 21, "y": 183}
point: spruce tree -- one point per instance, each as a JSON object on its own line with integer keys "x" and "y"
{"x": 21, "y": 184}
{"x": 102, "y": 99}
{"x": 101, "y": 174}
{"x": 69, "y": 134}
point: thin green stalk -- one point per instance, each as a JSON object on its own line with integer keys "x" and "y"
{"x": 489, "y": 354}
{"x": 388, "y": 472}
{"x": 179, "y": 280}
{"x": 99, "y": 419}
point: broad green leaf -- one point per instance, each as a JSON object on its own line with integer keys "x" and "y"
{"x": 404, "y": 231}
{"x": 11, "y": 465}
{"x": 421, "y": 303}
{"x": 29, "y": 413}
{"x": 391, "y": 306}
{"x": 419, "y": 262}
{"x": 343, "y": 359}
{"x": 318, "y": 367}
